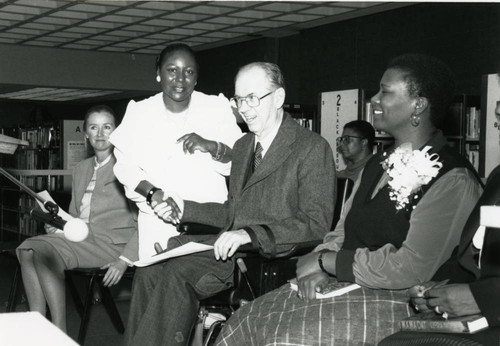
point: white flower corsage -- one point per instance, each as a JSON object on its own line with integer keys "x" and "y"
{"x": 408, "y": 171}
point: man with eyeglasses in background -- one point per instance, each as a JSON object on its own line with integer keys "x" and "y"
{"x": 281, "y": 193}
{"x": 356, "y": 147}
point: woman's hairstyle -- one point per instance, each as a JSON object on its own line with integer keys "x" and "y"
{"x": 98, "y": 109}
{"x": 363, "y": 129}
{"x": 175, "y": 47}
{"x": 428, "y": 77}
{"x": 271, "y": 70}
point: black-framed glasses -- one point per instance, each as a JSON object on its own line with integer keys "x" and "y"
{"x": 346, "y": 139}
{"x": 251, "y": 100}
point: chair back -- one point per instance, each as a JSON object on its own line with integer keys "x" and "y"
{"x": 344, "y": 189}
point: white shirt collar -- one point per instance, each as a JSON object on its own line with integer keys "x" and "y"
{"x": 98, "y": 165}
{"x": 266, "y": 141}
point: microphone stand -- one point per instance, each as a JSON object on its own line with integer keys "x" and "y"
{"x": 51, "y": 207}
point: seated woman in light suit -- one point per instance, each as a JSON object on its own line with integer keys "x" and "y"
{"x": 99, "y": 200}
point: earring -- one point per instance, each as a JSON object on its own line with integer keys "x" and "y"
{"x": 158, "y": 79}
{"x": 415, "y": 120}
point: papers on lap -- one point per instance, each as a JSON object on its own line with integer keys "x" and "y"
{"x": 333, "y": 289}
{"x": 185, "y": 249}
{"x": 432, "y": 322}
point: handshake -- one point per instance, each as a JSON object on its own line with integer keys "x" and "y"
{"x": 166, "y": 207}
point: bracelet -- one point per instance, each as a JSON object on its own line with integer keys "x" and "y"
{"x": 218, "y": 155}
{"x": 150, "y": 194}
{"x": 320, "y": 262}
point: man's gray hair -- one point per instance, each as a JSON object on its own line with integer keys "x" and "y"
{"x": 272, "y": 71}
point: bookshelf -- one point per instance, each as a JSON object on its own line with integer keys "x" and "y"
{"x": 45, "y": 162}
{"x": 15, "y": 205}
{"x": 305, "y": 115}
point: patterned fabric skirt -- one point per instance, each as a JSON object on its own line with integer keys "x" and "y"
{"x": 360, "y": 317}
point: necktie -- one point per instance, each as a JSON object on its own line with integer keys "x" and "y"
{"x": 257, "y": 159}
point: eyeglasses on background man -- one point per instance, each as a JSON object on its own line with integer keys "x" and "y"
{"x": 346, "y": 139}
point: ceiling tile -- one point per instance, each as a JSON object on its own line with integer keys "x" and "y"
{"x": 12, "y": 16}
{"x": 29, "y": 10}
{"x": 253, "y": 14}
{"x": 282, "y": 6}
{"x": 99, "y": 24}
{"x": 86, "y": 7}
{"x": 134, "y": 12}
{"x": 117, "y": 19}
{"x": 71, "y": 14}
{"x": 188, "y": 17}
{"x": 227, "y": 20}
{"x": 211, "y": 10}
{"x": 205, "y": 26}
{"x": 39, "y": 26}
{"x": 39, "y": 4}
{"x": 326, "y": 11}
{"x": 296, "y": 17}
{"x": 163, "y": 5}
{"x": 54, "y": 20}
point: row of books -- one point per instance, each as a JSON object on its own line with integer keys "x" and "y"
{"x": 43, "y": 182}
{"x": 472, "y": 153}
{"x": 472, "y": 123}
{"x": 304, "y": 122}
{"x": 38, "y": 159}
{"x": 38, "y": 137}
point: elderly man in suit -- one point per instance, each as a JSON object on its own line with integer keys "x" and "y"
{"x": 281, "y": 192}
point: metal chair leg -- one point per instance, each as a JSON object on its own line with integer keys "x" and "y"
{"x": 86, "y": 310}
{"x": 14, "y": 287}
{"x": 110, "y": 306}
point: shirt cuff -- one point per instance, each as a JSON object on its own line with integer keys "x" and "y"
{"x": 126, "y": 260}
{"x": 343, "y": 265}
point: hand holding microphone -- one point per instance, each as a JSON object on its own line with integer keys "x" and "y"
{"x": 163, "y": 205}
{"x": 75, "y": 230}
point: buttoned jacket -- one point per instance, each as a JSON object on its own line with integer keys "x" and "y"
{"x": 289, "y": 198}
{"x": 113, "y": 218}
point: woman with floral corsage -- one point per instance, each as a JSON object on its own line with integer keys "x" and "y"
{"x": 401, "y": 223}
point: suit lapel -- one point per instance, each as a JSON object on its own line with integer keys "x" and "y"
{"x": 277, "y": 153}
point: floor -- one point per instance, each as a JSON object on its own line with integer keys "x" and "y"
{"x": 100, "y": 330}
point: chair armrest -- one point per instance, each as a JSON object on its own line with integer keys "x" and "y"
{"x": 290, "y": 250}
{"x": 193, "y": 228}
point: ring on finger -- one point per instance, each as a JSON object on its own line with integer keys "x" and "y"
{"x": 436, "y": 309}
{"x": 445, "y": 315}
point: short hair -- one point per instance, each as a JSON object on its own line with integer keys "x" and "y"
{"x": 272, "y": 71}
{"x": 428, "y": 77}
{"x": 172, "y": 48}
{"x": 363, "y": 129}
{"x": 98, "y": 109}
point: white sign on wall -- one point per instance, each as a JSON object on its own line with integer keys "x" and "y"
{"x": 337, "y": 109}
{"x": 490, "y": 136}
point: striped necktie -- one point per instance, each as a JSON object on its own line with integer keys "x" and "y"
{"x": 257, "y": 159}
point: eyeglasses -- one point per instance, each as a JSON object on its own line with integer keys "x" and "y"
{"x": 251, "y": 100}
{"x": 346, "y": 139}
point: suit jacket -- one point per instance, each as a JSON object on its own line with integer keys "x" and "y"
{"x": 462, "y": 266}
{"x": 113, "y": 219}
{"x": 290, "y": 197}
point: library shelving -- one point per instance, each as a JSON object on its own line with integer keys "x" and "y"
{"x": 15, "y": 206}
{"x": 305, "y": 115}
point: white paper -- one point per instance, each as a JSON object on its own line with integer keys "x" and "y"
{"x": 186, "y": 249}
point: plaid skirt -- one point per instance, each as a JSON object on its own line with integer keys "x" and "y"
{"x": 360, "y": 317}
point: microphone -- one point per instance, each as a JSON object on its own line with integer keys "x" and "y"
{"x": 75, "y": 230}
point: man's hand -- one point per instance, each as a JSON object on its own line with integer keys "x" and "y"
{"x": 49, "y": 228}
{"x": 307, "y": 265}
{"x": 228, "y": 242}
{"x": 455, "y": 300}
{"x": 192, "y": 142}
{"x": 114, "y": 273}
{"x": 310, "y": 284}
{"x": 166, "y": 208}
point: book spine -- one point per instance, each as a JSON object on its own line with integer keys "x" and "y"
{"x": 434, "y": 326}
